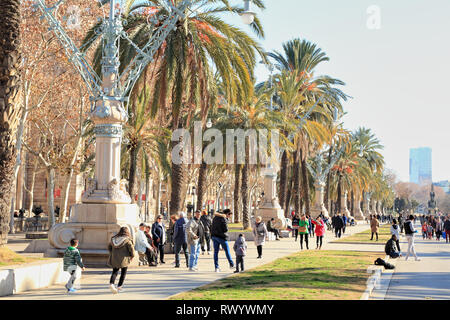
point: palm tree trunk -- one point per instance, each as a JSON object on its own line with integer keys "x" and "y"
{"x": 244, "y": 189}
{"x": 132, "y": 172}
{"x": 327, "y": 187}
{"x": 10, "y": 97}
{"x": 287, "y": 203}
{"x": 296, "y": 178}
{"x": 305, "y": 184}
{"x": 339, "y": 195}
{"x": 237, "y": 175}
{"x": 283, "y": 178}
{"x": 201, "y": 187}
{"x": 178, "y": 184}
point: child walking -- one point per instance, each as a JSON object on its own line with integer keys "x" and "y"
{"x": 240, "y": 248}
{"x": 72, "y": 263}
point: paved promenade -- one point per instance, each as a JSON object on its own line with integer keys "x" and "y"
{"x": 425, "y": 279}
{"x": 164, "y": 281}
{"x": 428, "y": 278}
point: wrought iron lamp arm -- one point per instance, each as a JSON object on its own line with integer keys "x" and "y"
{"x": 144, "y": 56}
{"x": 75, "y": 56}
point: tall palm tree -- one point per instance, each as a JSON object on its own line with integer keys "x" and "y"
{"x": 10, "y": 97}
{"x": 184, "y": 75}
{"x": 302, "y": 57}
{"x": 143, "y": 138}
{"x": 253, "y": 114}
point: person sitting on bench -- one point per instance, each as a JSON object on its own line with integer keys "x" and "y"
{"x": 271, "y": 228}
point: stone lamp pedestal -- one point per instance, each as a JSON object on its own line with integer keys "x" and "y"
{"x": 318, "y": 206}
{"x": 270, "y": 207}
{"x": 344, "y": 208}
{"x": 106, "y": 205}
{"x": 358, "y": 212}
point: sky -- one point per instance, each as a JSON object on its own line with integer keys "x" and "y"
{"x": 397, "y": 75}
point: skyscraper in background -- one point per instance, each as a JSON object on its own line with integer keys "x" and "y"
{"x": 420, "y": 165}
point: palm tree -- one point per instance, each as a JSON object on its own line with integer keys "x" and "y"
{"x": 10, "y": 97}
{"x": 302, "y": 57}
{"x": 184, "y": 65}
{"x": 253, "y": 114}
{"x": 143, "y": 139}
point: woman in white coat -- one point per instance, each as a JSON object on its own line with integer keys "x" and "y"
{"x": 260, "y": 234}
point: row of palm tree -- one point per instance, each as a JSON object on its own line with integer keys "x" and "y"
{"x": 205, "y": 70}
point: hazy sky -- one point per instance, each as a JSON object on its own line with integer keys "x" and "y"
{"x": 397, "y": 75}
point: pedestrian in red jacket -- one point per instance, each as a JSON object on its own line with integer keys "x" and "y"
{"x": 319, "y": 230}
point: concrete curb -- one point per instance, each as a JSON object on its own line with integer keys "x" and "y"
{"x": 378, "y": 283}
{"x": 35, "y": 275}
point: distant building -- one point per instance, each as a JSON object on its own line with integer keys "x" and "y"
{"x": 445, "y": 185}
{"x": 420, "y": 166}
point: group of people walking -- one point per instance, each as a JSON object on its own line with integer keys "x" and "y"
{"x": 306, "y": 226}
{"x": 435, "y": 227}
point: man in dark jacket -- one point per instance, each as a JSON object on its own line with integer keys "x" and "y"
{"x": 391, "y": 247}
{"x": 219, "y": 235}
{"x": 206, "y": 221}
{"x": 159, "y": 237}
{"x": 180, "y": 239}
{"x": 338, "y": 224}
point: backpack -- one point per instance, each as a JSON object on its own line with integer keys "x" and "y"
{"x": 386, "y": 265}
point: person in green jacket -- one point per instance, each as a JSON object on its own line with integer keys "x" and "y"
{"x": 303, "y": 227}
{"x": 72, "y": 260}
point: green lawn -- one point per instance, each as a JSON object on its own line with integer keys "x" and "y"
{"x": 306, "y": 275}
{"x": 384, "y": 235}
{"x": 9, "y": 257}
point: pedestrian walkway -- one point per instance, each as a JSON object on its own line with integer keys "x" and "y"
{"x": 156, "y": 283}
{"x": 428, "y": 278}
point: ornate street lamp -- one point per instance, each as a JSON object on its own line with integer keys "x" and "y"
{"x": 106, "y": 205}
{"x": 248, "y": 17}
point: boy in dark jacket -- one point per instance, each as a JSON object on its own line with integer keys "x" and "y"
{"x": 240, "y": 248}
{"x": 72, "y": 260}
{"x": 180, "y": 239}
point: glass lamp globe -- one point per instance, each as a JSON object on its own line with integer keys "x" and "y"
{"x": 248, "y": 17}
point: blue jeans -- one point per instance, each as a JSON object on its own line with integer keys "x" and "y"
{"x": 194, "y": 251}
{"x": 224, "y": 243}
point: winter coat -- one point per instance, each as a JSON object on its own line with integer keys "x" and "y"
{"x": 219, "y": 226}
{"x": 395, "y": 229}
{"x": 121, "y": 252}
{"x": 320, "y": 228}
{"x": 295, "y": 222}
{"x": 390, "y": 247}
{"x": 447, "y": 225}
{"x": 194, "y": 231}
{"x": 72, "y": 257}
{"x": 141, "y": 242}
{"x": 374, "y": 224}
{"x": 240, "y": 247}
{"x": 159, "y": 232}
{"x": 303, "y": 223}
{"x": 337, "y": 222}
{"x": 207, "y": 223}
{"x": 260, "y": 233}
{"x": 179, "y": 231}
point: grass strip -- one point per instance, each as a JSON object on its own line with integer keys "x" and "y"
{"x": 306, "y": 275}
